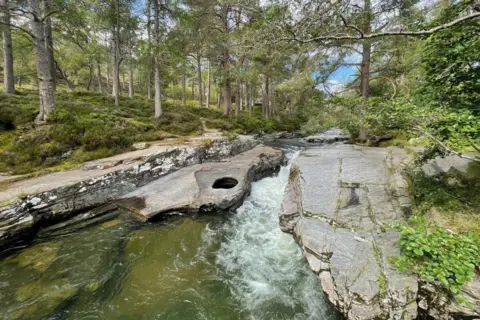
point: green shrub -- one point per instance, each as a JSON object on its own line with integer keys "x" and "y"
{"x": 438, "y": 255}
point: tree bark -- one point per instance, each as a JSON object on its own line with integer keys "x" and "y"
{"x": 49, "y": 41}
{"x": 219, "y": 96}
{"x": 149, "y": 48}
{"x": 156, "y": 35}
{"x": 365, "y": 68}
{"x": 238, "y": 98}
{"x": 184, "y": 85}
{"x": 208, "y": 84}
{"x": 265, "y": 96}
{"x": 108, "y": 77}
{"x": 200, "y": 81}
{"x": 99, "y": 77}
{"x": 46, "y": 87}
{"x": 130, "y": 76}
{"x": 90, "y": 75}
{"x": 8, "y": 78}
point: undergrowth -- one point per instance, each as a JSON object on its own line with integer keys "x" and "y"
{"x": 87, "y": 126}
{"x": 441, "y": 242}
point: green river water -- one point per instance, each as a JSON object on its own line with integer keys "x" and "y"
{"x": 238, "y": 266}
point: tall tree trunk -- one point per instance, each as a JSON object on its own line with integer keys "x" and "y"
{"x": 227, "y": 87}
{"x": 265, "y": 96}
{"x": 219, "y": 96}
{"x": 116, "y": 55}
{"x": 108, "y": 77}
{"x": 238, "y": 98}
{"x": 99, "y": 77}
{"x": 193, "y": 89}
{"x": 184, "y": 85}
{"x": 130, "y": 76}
{"x": 365, "y": 68}
{"x": 158, "y": 88}
{"x": 46, "y": 87}
{"x": 208, "y": 85}
{"x": 149, "y": 48}
{"x": 90, "y": 75}
{"x": 227, "y": 96}
{"x": 200, "y": 81}
{"x": 49, "y": 41}
{"x": 247, "y": 96}
{"x": 8, "y": 78}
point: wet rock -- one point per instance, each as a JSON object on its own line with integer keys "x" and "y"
{"x": 204, "y": 187}
{"x": 329, "y": 136}
{"x": 41, "y": 298}
{"x": 39, "y": 256}
{"x": 23, "y": 217}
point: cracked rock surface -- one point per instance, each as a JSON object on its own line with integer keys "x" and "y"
{"x": 337, "y": 204}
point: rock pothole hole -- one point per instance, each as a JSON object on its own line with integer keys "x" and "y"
{"x": 225, "y": 183}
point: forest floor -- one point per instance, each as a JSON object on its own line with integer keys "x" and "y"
{"x": 86, "y": 126}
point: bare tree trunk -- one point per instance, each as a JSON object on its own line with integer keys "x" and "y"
{"x": 184, "y": 85}
{"x": 99, "y": 77}
{"x": 193, "y": 89}
{"x": 252, "y": 92}
{"x": 200, "y": 82}
{"x": 365, "y": 69}
{"x": 130, "y": 76}
{"x": 227, "y": 97}
{"x": 266, "y": 98}
{"x": 49, "y": 41}
{"x": 8, "y": 78}
{"x": 149, "y": 48}
{"x": 90, "y": 75}
{"x": 219, "y": 96}
{"x": 108, "y": 77}
{"x": 208, "y": 84}
{"x": 46, "y": 87}
{"x": 158, "y": 88}
{"x": 227, "y": 88}
{"x": 238, "y": 98}
{"x": 247, "y": 96}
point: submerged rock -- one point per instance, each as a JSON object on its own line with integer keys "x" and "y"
{"x": 41, "y": 298}
{"x": 39, "y": 256}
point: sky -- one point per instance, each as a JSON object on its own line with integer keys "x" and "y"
{"x": 343, "y": 75}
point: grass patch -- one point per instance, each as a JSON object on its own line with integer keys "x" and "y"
{"x": 87, "y": 126}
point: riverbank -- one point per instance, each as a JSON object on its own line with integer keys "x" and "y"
{"x": 340, "y": 204}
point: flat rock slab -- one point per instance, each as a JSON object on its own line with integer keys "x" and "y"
{"x": 339, "y": 202}
{"x": 210, "y": 186}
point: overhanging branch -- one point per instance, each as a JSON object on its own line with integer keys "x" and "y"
{"x": 388, "y": 33}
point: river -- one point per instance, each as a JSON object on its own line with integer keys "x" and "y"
{"x": 216, "y": 266}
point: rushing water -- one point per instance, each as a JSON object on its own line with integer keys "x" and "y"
{"x": 238, "y": 266}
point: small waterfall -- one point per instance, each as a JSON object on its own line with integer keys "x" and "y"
{"x": 264, "y": 267}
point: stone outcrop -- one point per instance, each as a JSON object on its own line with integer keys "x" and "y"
{"x": 329, "y": 136}
{"x": 337, "y": 204}
{"x": 26, "y": 215}
{"x": 209, "y": 186}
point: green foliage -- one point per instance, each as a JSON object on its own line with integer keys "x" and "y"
{"x": 438, "y": 255}
{"x": 448, "y": 192}
{"x": 450, "y": 61}
{"x": 86, "y": 126}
